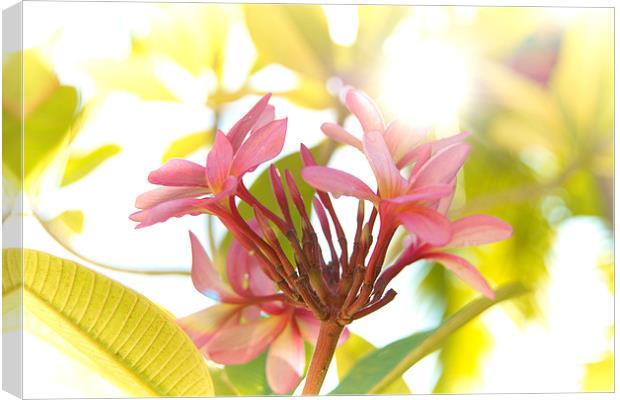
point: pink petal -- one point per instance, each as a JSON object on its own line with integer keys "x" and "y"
{"x": 163, "y": 194}
{"x": 424, "y": 193}
{"x": 239, "y": 131}
{"x": 389, "y": 180}
{"x": 164, "y": 211}
{"x": 400, "y": 138}
{"x": 339, "y": 134}
{"x": 464, "y": 270}
{"x": 261, "y": 146}
{"x": 245, "y": 274}
{"x": 423, "y": 155}
{"x": 219, "y": 161}
{"x": 449, "y": 141}
{"x": 308, "y": 325}
{"x": 427, "y": 224}
{"x": 239, "y": 344}
{"x": 205, "y": 277}
{"x": 178, "y": 172}
{"x": 433, "y": 146}
{"x": 365, "y": 110}
{"x": 443, "y": 166}
{"x": 306, "y": 156}
{"x": 478, "y": 229}
{"x": 444, "y": 203}
{"x": 337, "y": 182}
{"x": 286, "y": 360}
{"x": 266, "y": 117}
{"x": 202, "y": 325}
{"x": 343, "y": 336}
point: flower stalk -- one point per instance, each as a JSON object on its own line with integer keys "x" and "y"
{"x": 327, "y": 342}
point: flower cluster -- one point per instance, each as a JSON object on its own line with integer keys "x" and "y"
{"x": 251, "y": 316}
{"x": 271, "y": 298}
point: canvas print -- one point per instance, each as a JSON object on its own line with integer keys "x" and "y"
{"x": 227, "y": 199}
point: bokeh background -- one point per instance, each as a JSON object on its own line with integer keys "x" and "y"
{"x": 112, "y": 90}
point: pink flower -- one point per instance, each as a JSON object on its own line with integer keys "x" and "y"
{"x": 408, "y": 201}
{"x": 404, "y": 141}
{"x": 250, "y": 318}
{"x": 190, "y": 188}
{"x": 469, "y": 231}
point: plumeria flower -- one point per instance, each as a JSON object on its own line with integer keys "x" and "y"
{"x": 190, "y": 188}
{"x": 249, "y": 318}
{"x": 398, "y": 199}
{"x": 469, "y": 231}
{"x": 404, "y": 141}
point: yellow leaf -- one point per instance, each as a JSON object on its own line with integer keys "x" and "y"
{"x": 80, "y": 165}
{"x": 310, "y": 94}
{"x": 71, "y": 220}
{"x": 186, "y": 145}
{"x": 135, "y": 75}
{"x": 295, "y": 36}
{"x": 193, "y": 35}
{"x": 114, "y": 330}
{"x": 40, "y": 82}
{"x": 599, "y": 376}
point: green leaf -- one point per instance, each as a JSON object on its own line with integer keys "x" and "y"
{"x": 295, "y": 36}
{"x": 80, "y": 165}
{"x": 249, "y": 379}
{"x": 354, "y": 349}
{"x": 47, "y": 127}
{"x": 221, "y": 384}
{"x": 262, "y": 189}
{"x": 116, "y": 331}
{"x": 186, "y": 145}
{"x": 380, "y": 368}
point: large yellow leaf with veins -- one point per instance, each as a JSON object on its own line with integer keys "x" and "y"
{"x": 116, "y": 331}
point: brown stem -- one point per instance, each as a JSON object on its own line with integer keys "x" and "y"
{"x": 323, "y": 353}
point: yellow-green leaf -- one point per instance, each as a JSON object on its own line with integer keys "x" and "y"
{"x": 192, "y": 35}
{"x": 71, "y": 220}
{"x": 49, "y": 112}
{"x": 186, "y": 145}
{"x": 80, "y": 165}
{"x": 295, "y": 36}
{"x": 382, "y": 367}
{"x": 135, "y": 75}
{"x": 113, "y": 329}
{"x": 40, "y": 83}
{"x": 354, "y": 349}
{"x": 310, "y": 94}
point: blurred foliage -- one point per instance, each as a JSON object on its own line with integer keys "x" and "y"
{"x": 276, "y": 29}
